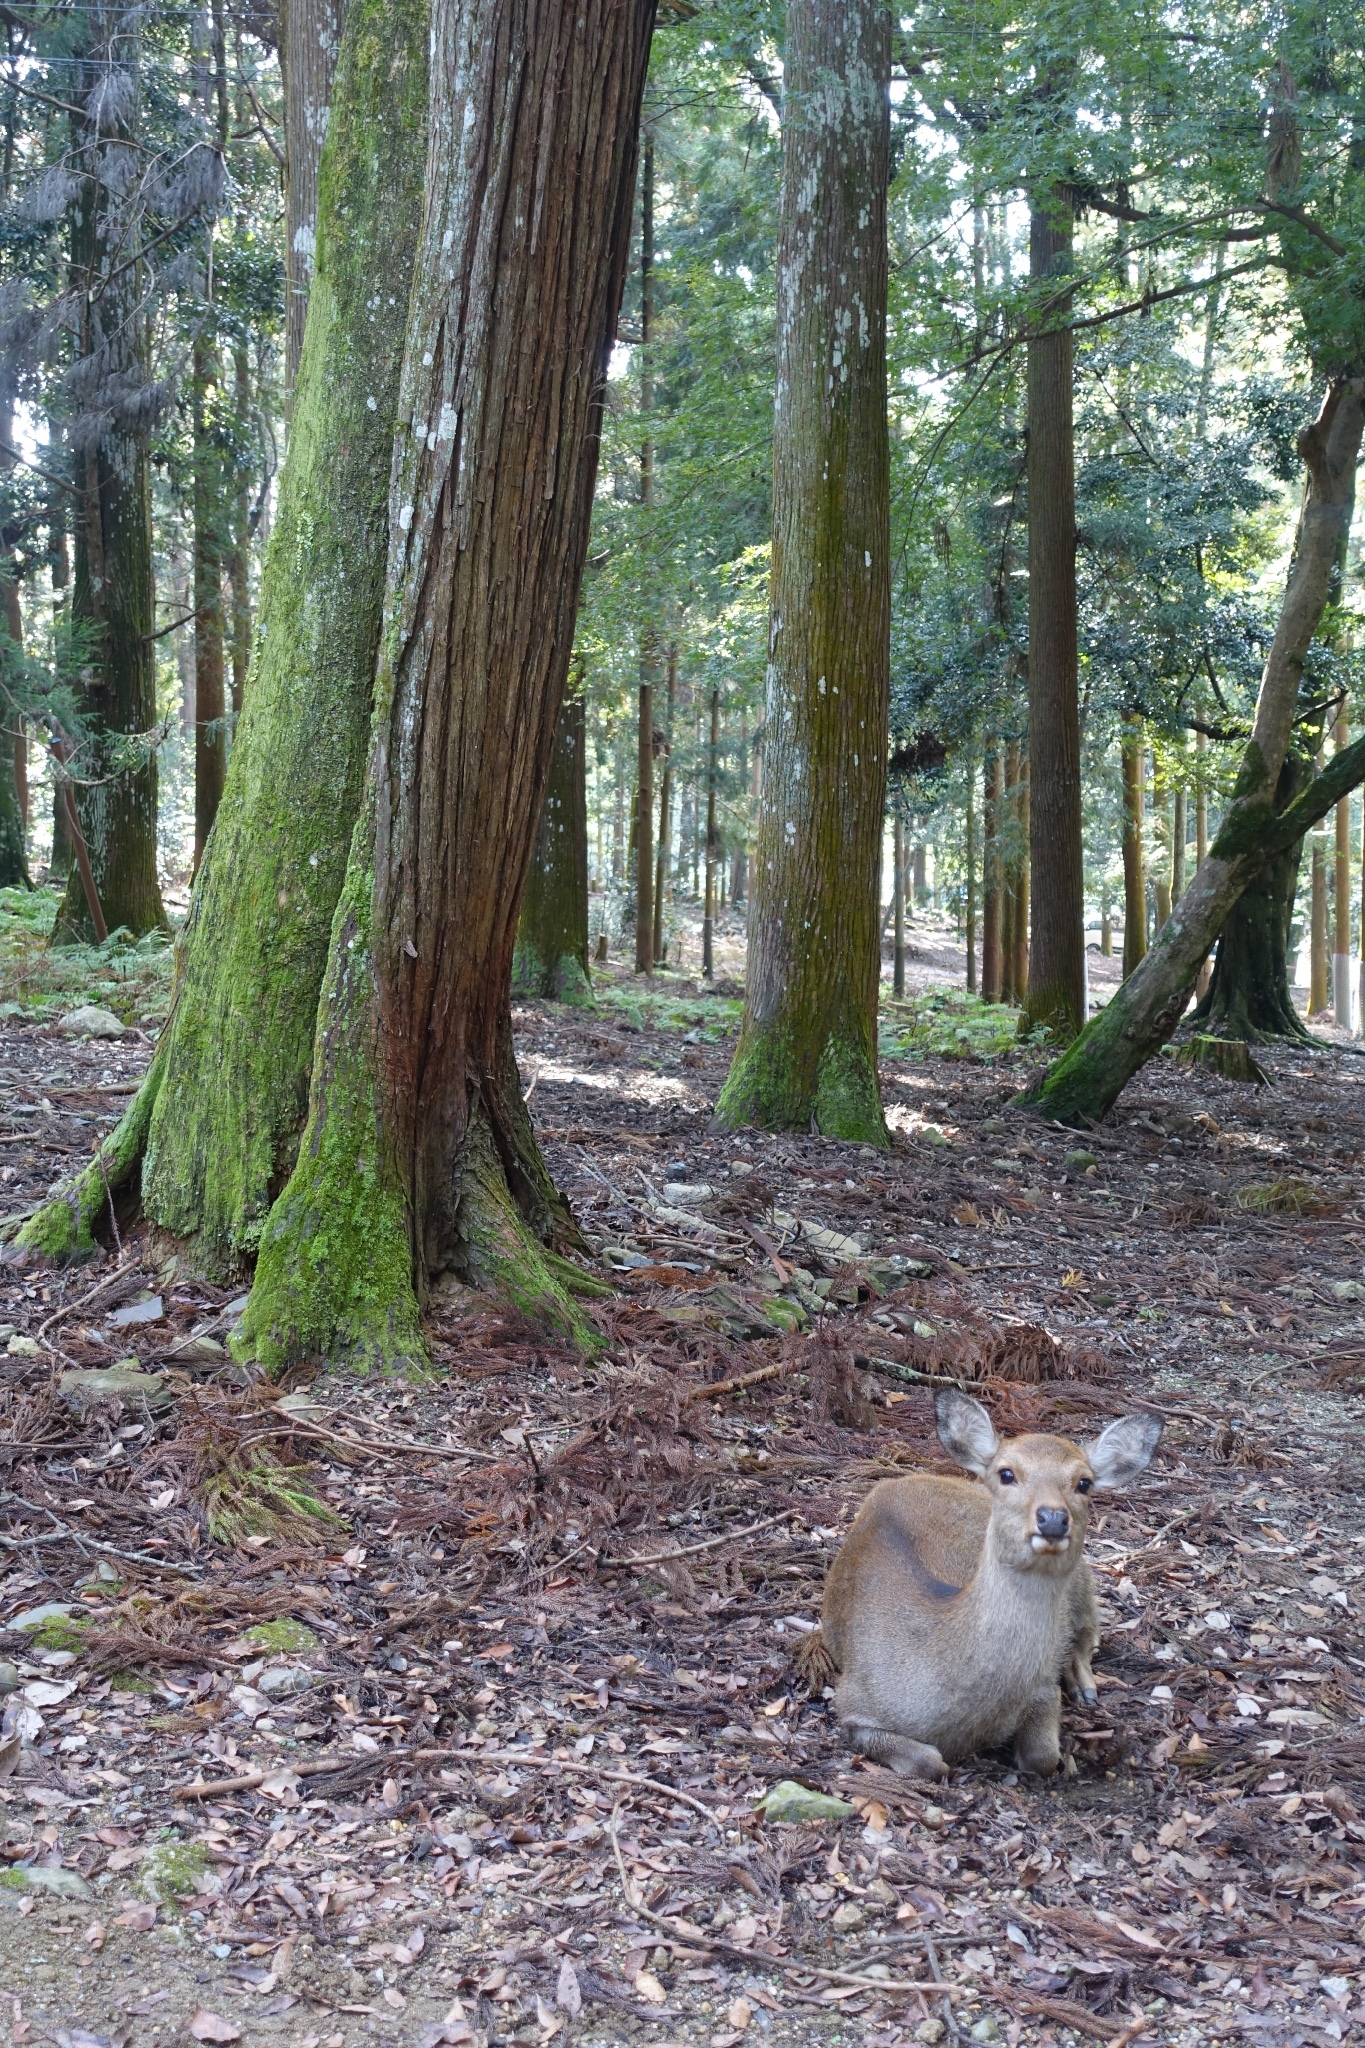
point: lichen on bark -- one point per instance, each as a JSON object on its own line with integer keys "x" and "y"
{"x": 807, "y": 1048}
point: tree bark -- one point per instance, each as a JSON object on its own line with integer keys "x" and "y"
{"x": 113, "y": 596}
{"x": 1056, "y": 992}
{"x": 418, "y": 1168}
{"x": 209, "y": 496}
{"x": 1317, "y": 925}
{"x": 239, "y": 567}
{"x": 898, "y": 903}
{"x": 1023, "y": 888}
{"x": 969, "y": 917}
{"x": 708, "y": 915}
{"x": 1341, "y": 950}
{"x": 991, "y": 879}
{"x": 222, "y": 1134}
{"x": 1249, "y": 995}
{"x": 649, "y": 654}
{"x": 664, "y": 848}
{"x": 807, "y": 1053}
{"x": 1088, "y": 1078}
{"x": 1165, "y": 843}
{"x": 1134, "y": 878}
{"x": 310, "y": 45}
{"x": 551, "y": 958}
{"x": 13, "y": 856}
{"x": 1179, "y": 831}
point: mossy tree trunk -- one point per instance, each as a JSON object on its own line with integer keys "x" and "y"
{"x": 113, "y": 595}
{"x": 222, "y": 1134}
{"x": 1089, "y": 1077}
{"x": 551, "y": 959}
{"x": 1055, "y": 996}
{"x": 1249, "y": 995}
{"x": 418, "y": 1167}
{"x": 807, "y": 1053}
{"x": 210, "y": 507}
{"x": 310, "y": 46}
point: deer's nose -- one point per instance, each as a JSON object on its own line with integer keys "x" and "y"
{"x": 1053, "y": 1523}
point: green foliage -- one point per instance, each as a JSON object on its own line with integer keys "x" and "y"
{"x": 948, "y": 1023}
{"x": 40, "y": 981}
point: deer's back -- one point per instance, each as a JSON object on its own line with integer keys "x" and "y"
{"x": 916, "y": 1543}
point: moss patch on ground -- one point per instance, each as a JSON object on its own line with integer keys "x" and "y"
{"x": 283, "y": 1637}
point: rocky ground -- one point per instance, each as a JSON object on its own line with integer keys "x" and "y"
{"x": 344, "y": 1712}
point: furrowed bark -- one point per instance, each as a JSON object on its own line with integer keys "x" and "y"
{"x": 1081, "y": 1086}
{"x": 807, "y": 1050}
{"x": 210, "y": 483}
{"x": 1056, "y": 994}
{"x": 551, "y": 960}
{"x": 1249, "y": 995}
{"x": 222, "y": 1133}
{"x": 418, "y": 1169}
{"x": 310, "y": 46}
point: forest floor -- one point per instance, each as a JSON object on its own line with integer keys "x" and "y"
{"x": 344, "y": 1712}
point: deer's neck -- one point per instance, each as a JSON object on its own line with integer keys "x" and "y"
{"x": 1014, "y": 1617}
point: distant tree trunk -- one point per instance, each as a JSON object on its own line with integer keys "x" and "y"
{"x": 991, "y": 879}
{"x": 551, "y": 958}
{"x": 920, "y": 890}
{"x": 1134, "y": 879}
{"x": 1204, "y": 977}
{"x": 970, "y": 907}
{"x": 1082, "y": 1084}
{"x": 309, "y": 47}
{"x": 1165, "y": 843}
{"x": 1024, "y": 884}
{"x": 59, "y": 570}
{"x": 661, "y": 875}
{"x": 210, "y": 494}
{"x": 1009, "y": 873}
{"x": 898, "y": 903}
{"x": 1341, "y": 951}
{"x": 1317, "y": 925}
{"x": 220, "y": 1113}
{"x": 807, "y": 1054}
{"x": 1179, "y": 829}
{"x": 739, "y": 858}
{"x": 1055, "y": 995}
{"x": 1106, "y": 930}
{"x": 419, "y": 1168}
{"x": 1249, "y": 995}
{"x": 708, "y": 955}
{"x": 649, "y": 650}
{"x": 114, "y": 595}
{"x": 13, "y": 856}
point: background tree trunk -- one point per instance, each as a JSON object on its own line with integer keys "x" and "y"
{"x": 808, "y": 1045}
{"x": 239, "y": 565}
{"x": 1088, "y": 1077}
{"x": 1341, "y": 949}
{"x": 551, "y": 959}
{"x": 991, "y": 881}
{"x": 310, "y": 44}
{"x": 969, "y": 910}
{"x": 1317, "y": 925}
{"x": 898, "y": 903}
{"x": 1134, "y": 878}
{"x": 708, "y": 915}
{"x": 419, "y": 1166}
{"x": 1023, "y": 888}
{"x": 649, "y": 651}
{"x": 663, "y": 854}
{"x": 1056, "y": 990}
{"x": 114, "y": 595}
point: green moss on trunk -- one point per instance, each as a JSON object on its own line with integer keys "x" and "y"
{"x": 64, "y": 1227}
{"x": 226, "y": 1127}
{"x": 551, "y": 960}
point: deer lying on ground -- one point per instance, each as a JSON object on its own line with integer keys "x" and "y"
{"x": 954, "y": 1612}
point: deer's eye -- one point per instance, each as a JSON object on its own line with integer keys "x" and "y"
{"x": 1006, "y": 1477}
{"x": 1084, "y": 1485}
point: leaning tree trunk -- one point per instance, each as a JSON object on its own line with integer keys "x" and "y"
{"x": 807, "y": 1052}
{"x": 1056, "y": 994}
{"x": 113, "y": 596}
{"x": 419, "y": 1168}
{"x": 1249, "y": 996}
{"x": 309, "y": 49}
{"x": 1089, "y": 1077}
{"x": 551, "y": 959}
{"x": 220, "y": 1113}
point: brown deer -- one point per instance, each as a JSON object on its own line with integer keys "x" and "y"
{"x": 954, "y": 1612}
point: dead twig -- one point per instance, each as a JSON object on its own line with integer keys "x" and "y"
{"x": 692, "y": 1549}
{"x": 60, "y": 1315}
{"x": 718, "y": 1388}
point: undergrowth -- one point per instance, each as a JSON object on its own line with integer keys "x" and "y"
{"x": 949, "y": 1023}
{"x": 130, "y": 978}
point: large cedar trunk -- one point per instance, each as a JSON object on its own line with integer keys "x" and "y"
{"x": 220, "y": 1113}
{"x": 1249, "y": 996}
{"x": 1090, "y": 1075}
{"x": 113, "y": 597}
{"x": 1056, "y": 992}
{"x": 210, "y": 507}
{"x": 418, "y": 1168}
{"x": 310, "y": 44}
{"x": 807, "y": 1054}
{"x": 551, "y": 959}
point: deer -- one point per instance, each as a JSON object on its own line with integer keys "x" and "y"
{"x": 955, "y": 1612}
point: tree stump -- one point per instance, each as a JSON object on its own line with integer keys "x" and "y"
{"x": 1230, "y": 1057}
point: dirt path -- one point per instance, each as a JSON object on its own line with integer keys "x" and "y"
{"x": 463, "y": 1694}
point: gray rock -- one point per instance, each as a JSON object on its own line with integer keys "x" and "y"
{"x": 90, "y": 1021}
{"x": 35, "y": 1617}
{"x": 46, "y": 1877}
{"x": 282, "y": 1681}
{"x": 125, "y": 1383}
{"x": 9, "y": 1675}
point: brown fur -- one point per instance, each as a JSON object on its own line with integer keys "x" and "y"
{"x": 953, "y": 1611}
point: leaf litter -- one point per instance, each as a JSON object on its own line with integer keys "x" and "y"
{"x": 464, "y": 1711}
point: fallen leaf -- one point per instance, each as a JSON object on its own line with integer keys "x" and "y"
{"x": 394, "y": 1998}
{"x": 568, "y": 1992}
{"x": 140, "y": 1918}
{"x": 208, "y": 2026}
{"x": 648, "y": 1986}
{"x": 739, "y": 2014}
{"x": 95, "y": 1935}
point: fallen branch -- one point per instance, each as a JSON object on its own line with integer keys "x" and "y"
{"x": 717, "y": 1388}
{"x": 692, "y": 1549}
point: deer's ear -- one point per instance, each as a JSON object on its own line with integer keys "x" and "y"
{"x": 965, "y": 1429}
{"x": 1123, "y": 1450}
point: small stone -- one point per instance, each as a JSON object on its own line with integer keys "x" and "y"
{"x": 789, "y": 1801}
{"x": 90, "y": 1021}
{"x": 985, "y": 2030}
{"x": 1081, "y": 1159}
{"x": 283, "y": 1681}
{"x": 9, "y": 1676}
{"x": 846, "y": 1919}
{"x": 931, "y": 2032}
{"x": 1348, "y": 1290}
{"x": 883, "y": 1893}
{"x": 125, "y": 1383}
{"x": 24, "y": 1347}
{"x": 45, "y": 1877}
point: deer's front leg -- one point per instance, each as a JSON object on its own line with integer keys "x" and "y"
{"x": 1038, "y": 1738}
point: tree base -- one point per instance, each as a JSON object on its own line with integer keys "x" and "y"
{"x": 1229, "y": 1057}
{"x": 768, "y": 1086}
{"x": 64, "y": 1227}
